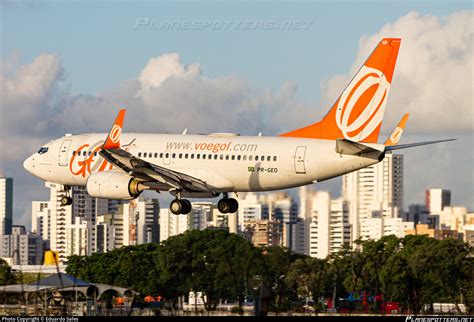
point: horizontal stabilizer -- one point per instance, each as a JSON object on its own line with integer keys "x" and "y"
{"x": 411, "y": 145}
{"x": 345, "y": 146}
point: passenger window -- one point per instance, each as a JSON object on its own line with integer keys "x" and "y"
{"x": 274, "y": 158}
{"x": 215, "y": 156}
{"x": 256, "y": 158}
{"x": 210, "y": 156}
{"x": 245, "y": 158}
{"x": 73, "y": 152}
{"x": 173, "y": 155}
{"x": 198, "y": 156}
{"x": 262, "y": 158}
{"x": 139, "y": 154}
{"x": 167, "y": 155}
{"x": 180, "y": 155}
{"x": 233, "y": 157}
{"x": 150, "y": 155}
{"x": 95, "y": 154}
{"x": 192, "y": 156}
{"x": 161, "y": 155}
{"x": 221, "y": 157}
{"x": 204, "y": 156}
{"x": 156, "y": 155}
{"x": 238, "y": 157}
{"x": 269, "y": 158}
{"x": 186, "y": 156}
{"x": 144, "y": 154}
{"x": 227, "y": 157}
{"x": 90, "y": 153}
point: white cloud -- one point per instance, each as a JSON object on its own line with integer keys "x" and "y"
{"x": 433, "y": 77}
{"x": 166, "y": 66}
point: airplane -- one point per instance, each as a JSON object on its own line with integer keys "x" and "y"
{"x": 122, "y": 165}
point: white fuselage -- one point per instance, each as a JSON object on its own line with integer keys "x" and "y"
{"x": 225, "y": 162}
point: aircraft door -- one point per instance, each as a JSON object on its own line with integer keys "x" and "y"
{"x": 63, "y": 153}
{"x": 299, "y": 160}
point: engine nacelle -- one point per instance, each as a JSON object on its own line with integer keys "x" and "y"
{"x": 113, "y": 185}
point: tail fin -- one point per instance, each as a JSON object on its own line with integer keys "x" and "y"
{"x": 396, "y": 135}
{"x": 357, "y": 114}
{"x": 113, "y": 139}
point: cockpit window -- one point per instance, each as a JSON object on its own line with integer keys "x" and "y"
{"x": 43, "y": 150}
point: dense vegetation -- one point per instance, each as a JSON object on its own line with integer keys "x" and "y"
{"x": 415, "y": 271}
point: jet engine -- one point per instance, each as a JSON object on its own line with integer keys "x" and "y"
{"x": 113, "y": 185}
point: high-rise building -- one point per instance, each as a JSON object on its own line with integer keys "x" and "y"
{"x": 145, "y": 222}
{"x": 329, "y": 228}
{"x": 41, "y": 220}
{"x": 437, "y": 199}
{"x": 263, "y": 233}
{"x": 6, "y": 206}
{"x": 375, "y": 191}
{"x": 171, "y": 224}
{"x": 376, "y": 228}
{"x": 294, "y": 236}
{"x": 107, "y": 236}
{"x": 251, "y": 209}
{"x": 418, "y": 214}
{"x": 21, "y": 247}
{"x": 453, "y": 217}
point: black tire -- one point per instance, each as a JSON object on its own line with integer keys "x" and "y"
{"x": 176, "y": 206}
{"x": 66, "y": 201}
{"x": 187, "y": 207}
{"x": 223, "y": 205}
{"x": 234, "y": 205}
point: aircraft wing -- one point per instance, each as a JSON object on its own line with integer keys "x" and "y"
{"x": 145, "y": 170}
{"x": 139, "y": 168}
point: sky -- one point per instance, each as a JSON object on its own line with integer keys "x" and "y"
{"x": 246, "y": 67}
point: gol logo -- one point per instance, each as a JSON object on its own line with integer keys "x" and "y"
{"x": 84, "y": 164}
{"x": 396, "y": 135}
{"x": 115, "y": 133}
{"x": 366, "y": 97}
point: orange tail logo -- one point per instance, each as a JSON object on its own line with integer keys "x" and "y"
{"x": 358, "y": 113}
{"x": 396, "y": 135}
{"x": 113, "y": 139}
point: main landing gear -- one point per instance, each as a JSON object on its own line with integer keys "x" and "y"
{"x": 66, "y": 200}
{"x": 183, "y": 206}
{"x": 180, "y": 206}
{"x": 227, "y": 205}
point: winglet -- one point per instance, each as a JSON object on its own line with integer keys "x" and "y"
{"x": 396, "y": 135}
{"x": 113, "y": 139}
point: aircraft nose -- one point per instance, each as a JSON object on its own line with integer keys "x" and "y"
{"x": 29, "y": 164}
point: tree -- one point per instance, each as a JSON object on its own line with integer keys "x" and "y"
{"x": 6, "y": 275}
{"x": 309, "y": 277}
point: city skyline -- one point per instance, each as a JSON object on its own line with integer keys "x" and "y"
{"x": 76, "y": 90}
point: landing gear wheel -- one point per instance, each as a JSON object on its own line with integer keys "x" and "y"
{"x": 234, "y": 205}
{"x": 176, "y": 206}
{"x": 66, "y": 201}
{"x": 186, "y": 206}
{"x": 180, "y": 206}
{"x": 224, "y": 205}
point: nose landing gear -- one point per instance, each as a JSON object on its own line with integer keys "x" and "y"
{"x": 66, "y": 200}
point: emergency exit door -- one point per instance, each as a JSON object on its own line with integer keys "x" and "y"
{"x": 299, "y": 160}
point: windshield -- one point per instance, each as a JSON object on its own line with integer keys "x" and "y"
{"x": 43, "y": 150}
